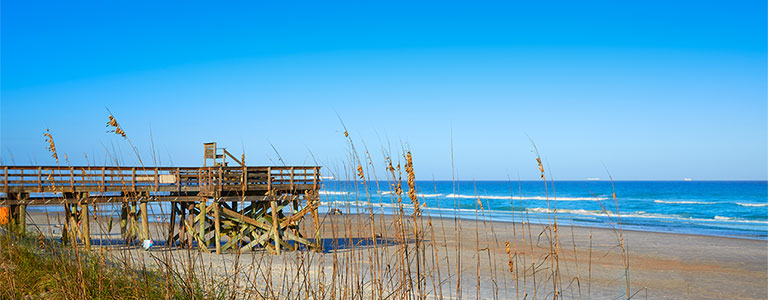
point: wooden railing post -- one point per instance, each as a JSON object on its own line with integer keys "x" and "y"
{"x": 72, "y": 178}
{"x": 178, "y": 179}
{"x": 269, "y": 179}
{"x": 244, "y": 181}
{"x": 221, "y": 178}
{"x": 39, "y": 179}
{"x": 6, "y": 180}
{"x": 292, "y": 172}
{"x": 314, "y": 177}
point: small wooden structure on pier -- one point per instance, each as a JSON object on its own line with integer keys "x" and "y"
{"x": 243, "y": 203}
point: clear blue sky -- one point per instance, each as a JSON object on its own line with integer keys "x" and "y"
{"x": 650, "y": 89}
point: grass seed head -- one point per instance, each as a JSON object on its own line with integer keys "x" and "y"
{"x": 113, "y": 122}
{"x": 51, "y": 146}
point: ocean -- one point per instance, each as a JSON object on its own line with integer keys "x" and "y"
{"x": 718, "y": 208}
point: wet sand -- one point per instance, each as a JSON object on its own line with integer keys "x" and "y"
{"x": 661, "y": 265}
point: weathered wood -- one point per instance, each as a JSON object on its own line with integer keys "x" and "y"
{"x": 188, "y": 224}
{"x": 201, "y": 229}
{"x": 316, "y": 222}
{"x": 124, "y": 221}
{"x": 238, "y": 216}
{"x": 66, "y": 233}
{"x": 22, "y": 218}
{"x": 217, "y": 227}
{"x": 171, "y": 225}
{"x": 276, "y": 230}
{"x": 144, "y": 235}
{"x": 254, "y": 223}
{"x": 85, "y": 223}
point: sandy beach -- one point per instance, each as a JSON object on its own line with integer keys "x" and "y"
{"x": 661, "y": 265}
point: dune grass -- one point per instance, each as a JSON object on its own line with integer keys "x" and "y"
{"x": 408, "y": 254}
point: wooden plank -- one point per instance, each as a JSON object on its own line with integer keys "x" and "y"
{"x": 217, "y": 227}
{"x": 171, "y": 224}
{"x": 275, "y": 229}
{"x": 65, "y": 232}
{"x": 104, "y": 179}
{"x": 85, "y": 223}
{"x": 201, "y": 225}
{"x": 40, "y": 179}
{"x": 144, "y": 221}
{"x": 182, "y": 219}
{"x": 246, "y": 219}
{"x": 307, "y": 209}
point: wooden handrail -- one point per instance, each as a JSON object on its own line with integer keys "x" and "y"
{"x": 28, "y": 179}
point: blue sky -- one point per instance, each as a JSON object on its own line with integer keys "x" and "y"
{"x": 648, "y": 89}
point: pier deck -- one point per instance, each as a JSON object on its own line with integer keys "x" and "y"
{"x": 41, "y": 185}
{"x": 229, "y": 208}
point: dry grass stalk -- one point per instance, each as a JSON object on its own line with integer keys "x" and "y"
{"x": 51, "y": 146}
{"x": 383, "y": 271}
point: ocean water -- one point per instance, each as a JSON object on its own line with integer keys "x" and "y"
{"x": 719, "y": 208}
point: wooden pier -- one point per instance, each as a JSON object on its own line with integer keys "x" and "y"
{"x": 228, "y": 207}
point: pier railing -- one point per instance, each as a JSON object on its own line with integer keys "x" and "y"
{"x": 204, "y": 180}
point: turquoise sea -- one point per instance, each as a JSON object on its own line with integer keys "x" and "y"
{"x": 719, "y": 208}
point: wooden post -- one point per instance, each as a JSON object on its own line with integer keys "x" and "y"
{"x": 144, "y": 234}
{"x": 275, "y": 225}
{"x": 201, "y": 228}
{"x": 73, "y": 228}
{"x": 22, "y": 221}
{"x": 22, "y": 213}
{"x": 217, "y": 227}
{"x": 124, "y": 220}
{"x": 315, "y": 220}
{"x": 171, "y": 224}
{"x": 13, "y": 219}
{"x": 182, "y": 219}
{"x": 65, "y": 233}
{"x": 6, "y": 180}
{"x": 39, "y": 179}
{"x": 135, "y": 215}
{"x": 315, "y": 217}
{"x": 84, "y": 221}
{"x": 131, "y": 222}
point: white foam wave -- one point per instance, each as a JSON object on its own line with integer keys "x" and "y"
{"x": 581, "y": 212}
{"x": 361, "y": 204}
{"x": 492, "y": 197}
{"x": 753, "y": 204}
{"x": 641, "y": 214}
{"x": 525, "y": 198}
{"x": 684, "y": 202}
{"x": 332, "y": 193}
{"x": 429, "y": 195}
{"x": 423, "y": 195}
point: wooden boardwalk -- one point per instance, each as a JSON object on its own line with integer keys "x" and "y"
{"x": 229, "y": 208}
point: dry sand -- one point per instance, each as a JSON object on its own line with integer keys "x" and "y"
{"x": 662, "y": 265}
